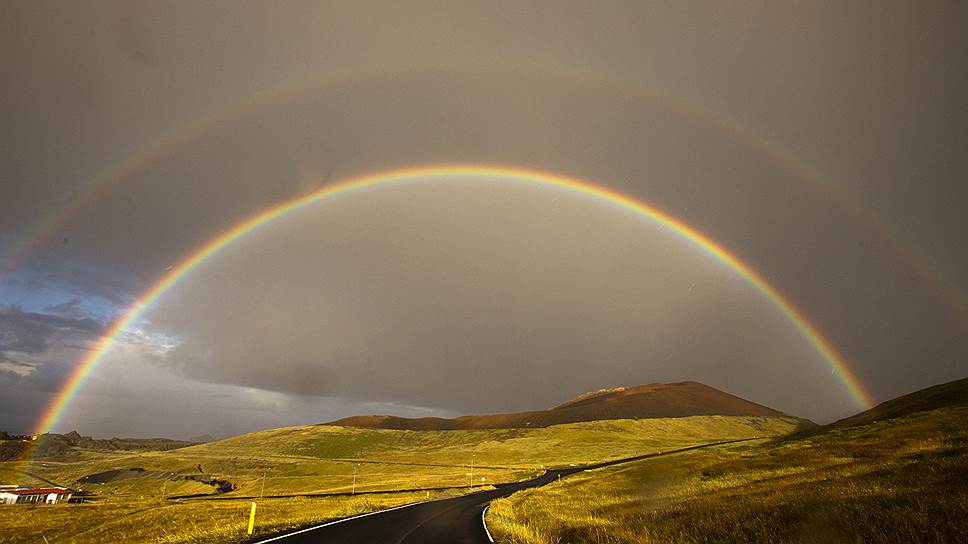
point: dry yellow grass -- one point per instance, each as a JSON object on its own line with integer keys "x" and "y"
{"x": 302, "y": 460}
{"x": 901, "y": 480}
{"x": 184, "y": 521}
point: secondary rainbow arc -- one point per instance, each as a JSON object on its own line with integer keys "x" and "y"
{"x": 40, "y": 233}
{"x": 837, "y": 364}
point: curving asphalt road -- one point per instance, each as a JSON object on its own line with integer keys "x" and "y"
{"x": 452, "y": 521}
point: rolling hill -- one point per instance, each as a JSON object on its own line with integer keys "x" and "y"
{"x": 657, "y": 400}
{"x": 945, "y": 395}
{"x": 894, "y": 473}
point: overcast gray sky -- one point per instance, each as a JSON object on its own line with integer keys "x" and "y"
{"x": 822, "y": 144}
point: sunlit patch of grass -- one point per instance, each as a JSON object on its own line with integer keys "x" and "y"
{"x": 901, "y": 480}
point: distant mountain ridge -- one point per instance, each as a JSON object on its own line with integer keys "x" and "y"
{"x": 58, "y": 445}
{"x": 656, "y": 400}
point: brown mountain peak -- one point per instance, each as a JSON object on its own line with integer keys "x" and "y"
{"x": 655, "y": 400}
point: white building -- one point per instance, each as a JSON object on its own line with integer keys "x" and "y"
{"x": 27, "y": 495}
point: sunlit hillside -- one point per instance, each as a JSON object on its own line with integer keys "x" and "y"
{"x": 874, "y": 477}
{"x": 320, "y": 460}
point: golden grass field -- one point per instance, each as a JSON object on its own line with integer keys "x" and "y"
{"x": 323, "y": 459}
{"x": 888, "y": 481}
{"x": 154, "y": 520}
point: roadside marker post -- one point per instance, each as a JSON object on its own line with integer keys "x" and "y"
{"x": 252, "y": 518}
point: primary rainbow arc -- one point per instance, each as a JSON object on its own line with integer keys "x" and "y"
{"x": 77, "y": 378}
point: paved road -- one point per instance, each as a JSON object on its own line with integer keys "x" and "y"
{"x": 451, "y": 521}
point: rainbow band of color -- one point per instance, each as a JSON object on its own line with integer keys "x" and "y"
{"x": 104, "y": 344}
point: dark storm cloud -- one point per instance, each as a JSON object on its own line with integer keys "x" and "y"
{"x": 37, "y": 352}
{"x": 30, "y": 332}
{"x": 34, "y": 376}
{"x": 28, "y": 382}
{"x": 821, "y": 143}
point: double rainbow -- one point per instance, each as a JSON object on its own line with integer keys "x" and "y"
{"x": 103, "y": 345}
